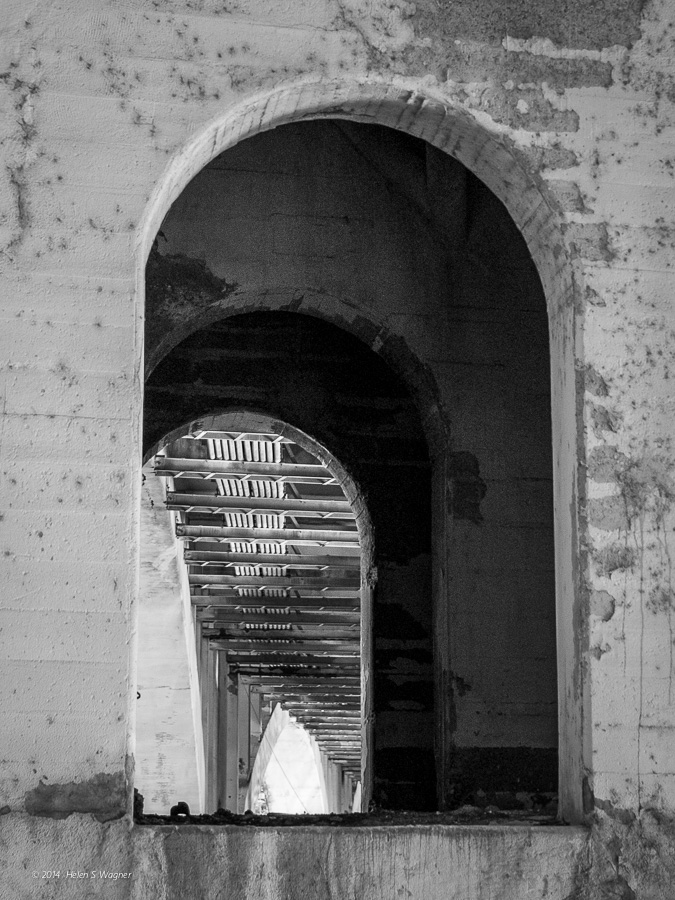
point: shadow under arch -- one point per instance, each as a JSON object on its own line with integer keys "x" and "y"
{"x": 256, "y": 421}
{"x": 454, "y": 131}
{"x": 391, "y": 347}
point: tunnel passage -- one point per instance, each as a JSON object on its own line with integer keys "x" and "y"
{"x": 393, "y": 240}
{"x": 331, "y": 386}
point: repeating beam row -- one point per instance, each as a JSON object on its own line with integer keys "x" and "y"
{"x": 220, "y": 468}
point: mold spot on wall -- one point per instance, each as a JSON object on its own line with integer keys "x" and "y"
{"x": 647, "y": 483}
{"x": 615, "y": 558}
{"x": 22, "y": 94}
{"x": 661, "y": 600}
{"x": 104, "y": 796}
{"x": 604, "y": 462}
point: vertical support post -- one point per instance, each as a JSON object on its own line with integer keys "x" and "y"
{"x": 202, "y": 654}
{"x": 231, "y": 759}
{"x": 244, "y": 740}
{"x": 222, "y": 731}
{"x": 255, "y": 701}
{"x": 368, "y": 581}
{"x": 210, "y": 698}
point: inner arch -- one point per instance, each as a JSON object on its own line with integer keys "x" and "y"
{"x": 271, "y": 564}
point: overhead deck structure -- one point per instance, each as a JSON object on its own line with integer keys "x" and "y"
{"x": 273, "y": 567}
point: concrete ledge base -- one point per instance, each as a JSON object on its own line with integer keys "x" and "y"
{"x": 436, "y": 862}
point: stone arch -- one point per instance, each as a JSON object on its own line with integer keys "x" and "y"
{"x": 488, "y": 156}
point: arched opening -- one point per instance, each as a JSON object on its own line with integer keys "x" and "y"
{"x": 330, "y": 385}
{"x": 254, "y": 621}
{"x": 421, "y": 279}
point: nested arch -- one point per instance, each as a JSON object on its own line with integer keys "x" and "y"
{"x": 457, "y": 134}
{"x": 330, "y": 385}
{"x": 246, "y": 659}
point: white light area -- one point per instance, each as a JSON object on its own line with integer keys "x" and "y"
{"x": 292, "y": 779}
{"x": 169, "y": 757}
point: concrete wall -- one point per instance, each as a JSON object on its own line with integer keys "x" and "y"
{"x": 565, "y": 112}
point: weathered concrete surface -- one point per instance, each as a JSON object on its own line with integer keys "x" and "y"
{"x": 130, "y": 105}
{"x": 421, "y": 863}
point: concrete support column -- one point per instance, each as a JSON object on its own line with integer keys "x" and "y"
{"x": 243, "y": 741}
{"x": 210, "y": 699}
{"x": 230, "y": 757}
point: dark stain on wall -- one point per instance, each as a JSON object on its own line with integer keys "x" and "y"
{"x": 575, "y": 23}
{"x": 178, "y": 289}
{"x": 104, "y": 796}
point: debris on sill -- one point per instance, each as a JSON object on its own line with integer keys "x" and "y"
{"x": 541, "y": 813}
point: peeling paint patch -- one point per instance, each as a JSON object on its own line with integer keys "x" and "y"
{"x": 615, "y": 558}
{"x": 602, "y": 605}
{"x": 591, "y": 241}
{"x": 608, "y": 514}
{"x": 576, "y": 24}
{"x": 604, "y": 420}
{"x": 568, "y": 195}
{"x": 594, "y": 383}
{"x": 527, "y": 109}
{"x": 104, "y": 796}
{"x": 553, "y": 157}
{"x": 604, "y": 464}
{"x": 645, "y": 482}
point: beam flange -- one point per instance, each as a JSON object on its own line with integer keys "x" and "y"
{"x": 268, "y": 505}
{"x": 285, "y": 560}
{"x": 320, "y": 537}
{"x": 242, "y": 469}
